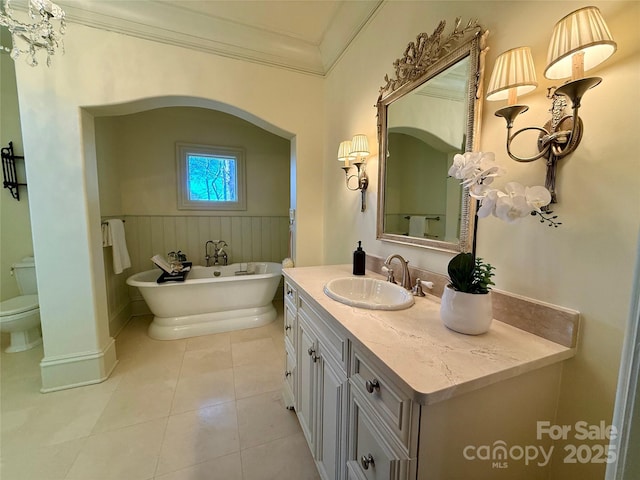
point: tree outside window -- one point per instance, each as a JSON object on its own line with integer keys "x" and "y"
{"x": 210, "y": 177}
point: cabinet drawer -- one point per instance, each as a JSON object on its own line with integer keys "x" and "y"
{"x": 291, "y": 294}
{"x": 290, "y": 324}
{"x": 387, "y": 400}
{"x": 372, "y": 457}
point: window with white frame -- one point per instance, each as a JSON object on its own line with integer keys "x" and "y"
{"x": 210, "y": 177}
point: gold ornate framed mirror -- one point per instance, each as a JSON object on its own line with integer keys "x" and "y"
{"x": 428, "y": 113}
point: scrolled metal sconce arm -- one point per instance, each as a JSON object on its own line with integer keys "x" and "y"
{"x": 561, "y": 135}
{"x": 363, "y": 181}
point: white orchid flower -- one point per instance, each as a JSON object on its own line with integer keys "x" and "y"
{"x": 477, "y": 171}
{"x": 537, "y": 197}
{"x": 461, "y": 167}
{"x": 515, "y": 189}
{"x": 478, "y": 191}
{"x": 488, "y": 203}
{"x": 475, "y": 168}
{"x": 511, "y": 208}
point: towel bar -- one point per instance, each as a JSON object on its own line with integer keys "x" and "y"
{"x": 9, "y": 171}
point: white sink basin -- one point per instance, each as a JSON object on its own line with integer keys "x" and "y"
{"x": 368, "y": 293}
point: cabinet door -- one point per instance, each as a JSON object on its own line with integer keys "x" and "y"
{"x": 307, "y": 378}
{"x": 289, "y": 388}
{"x": 354, "y": 472}
{"x": 290, "y": 324}
{"x": 331, "y": 418}
{"x": 370, "y": 454}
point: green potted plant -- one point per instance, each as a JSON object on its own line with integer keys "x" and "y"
{"x": 466, "y": 305}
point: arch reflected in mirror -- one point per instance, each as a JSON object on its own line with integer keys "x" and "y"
{"x": 429, "y": 115}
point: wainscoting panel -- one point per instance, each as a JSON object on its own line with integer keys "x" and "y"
{"x": 249, "y": 239}
{"x": 118, "y": 302}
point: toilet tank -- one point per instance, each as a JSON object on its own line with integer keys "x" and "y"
{"x": 25, "y": 273}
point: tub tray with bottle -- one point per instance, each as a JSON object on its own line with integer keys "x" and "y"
{"x": 176, "y": 271}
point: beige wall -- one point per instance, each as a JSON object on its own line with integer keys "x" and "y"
{"x": 143, "y": 146}
{"x": 586, "y": 264}
{"x": 15, "y": 228}
{"x": 108, "y": 150}
{"x": 117, "y": 75}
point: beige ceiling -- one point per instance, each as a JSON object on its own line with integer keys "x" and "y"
{"x": 303, "y": 35}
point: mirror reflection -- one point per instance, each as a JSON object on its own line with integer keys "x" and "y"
{"x": 426, "y": 115}
{"x": 421, "y": 147}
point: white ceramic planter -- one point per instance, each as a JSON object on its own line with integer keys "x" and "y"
{"x": 466, "y": 312}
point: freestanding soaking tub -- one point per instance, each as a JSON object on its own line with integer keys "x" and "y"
{"x": 239, "y": 297}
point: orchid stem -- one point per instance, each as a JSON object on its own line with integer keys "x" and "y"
{"x": 475, "y": 232}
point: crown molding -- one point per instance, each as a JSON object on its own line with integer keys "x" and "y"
{"x": 185, "y": 28}
{"x": 350, "y": 19}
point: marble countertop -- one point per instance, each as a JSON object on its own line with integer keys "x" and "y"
{"x": 433, "y": 362}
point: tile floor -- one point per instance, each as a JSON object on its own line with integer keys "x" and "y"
{"x": 204, "y": 408}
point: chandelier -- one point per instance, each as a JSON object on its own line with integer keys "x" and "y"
{"x": 39, "y": 34}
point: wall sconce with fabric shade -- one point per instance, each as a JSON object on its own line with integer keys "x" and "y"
{"x": 580, "y": 41}
{"x": 355, "y": 150}
{"x": 514, "y": 75}
{"x": 344, "y": 153}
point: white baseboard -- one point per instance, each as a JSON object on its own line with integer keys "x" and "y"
{"x": 77, "y": 370}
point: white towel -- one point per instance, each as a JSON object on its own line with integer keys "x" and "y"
{"x": 115, "y": 237}
{"x": 106, "y": 241}
{"x": 417, "y": 226}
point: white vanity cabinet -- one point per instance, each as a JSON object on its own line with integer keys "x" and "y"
{"x": 320, "y": 387}
{"x": 397, "y": 396}
{"x": 290, "y": 331}
{"x": 365, "y": 440}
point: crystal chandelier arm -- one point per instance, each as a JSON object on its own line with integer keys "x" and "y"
{"x": 28, "y": 38}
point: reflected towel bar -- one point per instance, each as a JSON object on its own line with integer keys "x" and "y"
{"x": 428, "y": 217}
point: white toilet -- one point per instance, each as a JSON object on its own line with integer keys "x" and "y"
{"x": 20, "y": 316}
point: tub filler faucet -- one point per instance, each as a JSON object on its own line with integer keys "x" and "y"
{"x": 207, "y": 257}
{"x": 219, "y": 255}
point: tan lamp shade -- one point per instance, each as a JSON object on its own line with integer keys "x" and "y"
{"x": 344, "y": 151}
{"x": 513, "y": 74}
{"x": 360, "y": 145}
{"x": 583, "y": 31}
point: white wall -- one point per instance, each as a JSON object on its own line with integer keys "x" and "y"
{"x": 15, "y": 227}
{"x": 58, "y": 105}
{"x": 586, "y": 264}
